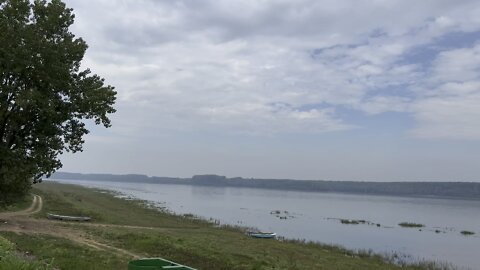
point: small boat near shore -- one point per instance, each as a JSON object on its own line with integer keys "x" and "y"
{"x": 68, "y": 218}
{"x": 262, "y": 234}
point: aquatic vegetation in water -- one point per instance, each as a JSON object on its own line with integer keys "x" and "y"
{"x": 410, "y": 225}
{"x": 355, "y": 221}
{"x": 282, "y": 214}
{"x": 467, "y": 233}
{"x": 352, "y": 221}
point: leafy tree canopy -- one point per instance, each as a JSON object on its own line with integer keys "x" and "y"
{"x": 45, "y": 95}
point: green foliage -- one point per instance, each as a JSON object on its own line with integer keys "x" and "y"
{"x": 5, "y": 246}
{"x": 21, "y": 202}
{"x": 44, "y": 95}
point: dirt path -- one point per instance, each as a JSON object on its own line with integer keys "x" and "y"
{"x": 21, "y": 222}
{"x": 35, "y": 207}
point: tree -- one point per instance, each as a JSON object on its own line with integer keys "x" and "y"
{"x": 45, "y": 95}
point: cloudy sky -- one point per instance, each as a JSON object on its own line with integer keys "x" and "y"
{"x": 307, "y": 89}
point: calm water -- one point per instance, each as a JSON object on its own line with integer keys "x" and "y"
{"x": 314, "y": 216}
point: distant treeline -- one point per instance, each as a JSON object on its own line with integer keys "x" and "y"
{"x": 465, "y": 190}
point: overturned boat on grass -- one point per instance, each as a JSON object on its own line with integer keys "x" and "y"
{"x": 262, "y": 234}
{"x": 68, "y": 218}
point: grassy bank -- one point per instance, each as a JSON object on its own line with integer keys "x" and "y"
{"x": 11, "y": 259}
{"x": 121, "y": 227}
{"x": 21, "y": 203}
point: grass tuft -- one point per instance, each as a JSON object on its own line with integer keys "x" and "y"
{"x": 10, "y": 259}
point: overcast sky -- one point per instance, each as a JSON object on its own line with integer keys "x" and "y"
{"x": 381, "y": 90}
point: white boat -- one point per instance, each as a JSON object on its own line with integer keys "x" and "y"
{"x": 262, "y": 234}
{"x": 68, "y": 218}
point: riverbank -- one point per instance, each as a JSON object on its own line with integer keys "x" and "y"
{"x": 123, "y": 229}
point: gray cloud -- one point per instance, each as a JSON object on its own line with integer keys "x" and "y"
{"x": 275, "y": 68}
{"x": 223, "y": 62}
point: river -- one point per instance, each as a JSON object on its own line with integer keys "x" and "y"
{"x": 316, "y": 216}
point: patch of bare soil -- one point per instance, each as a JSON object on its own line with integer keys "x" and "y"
{"x": 22, "y": 222}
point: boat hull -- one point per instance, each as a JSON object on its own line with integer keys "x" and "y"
{"x": 68, "y": 218}
{"x": 262, "y": 234}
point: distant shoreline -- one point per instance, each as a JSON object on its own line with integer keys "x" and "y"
{"x": 440, "y": 190}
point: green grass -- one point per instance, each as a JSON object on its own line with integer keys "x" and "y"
{"x": 411, "y": 225}
{"x": 205, "y": 248}
{"x": 185, "y": 240}
{"x": 10, "y": 259}
{"x": 21, "y": 203}
{"x": 104, "y": 208}
{"x": 64, "y": 254}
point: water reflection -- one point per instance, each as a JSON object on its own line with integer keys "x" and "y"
{"x": 208, "y": 192}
